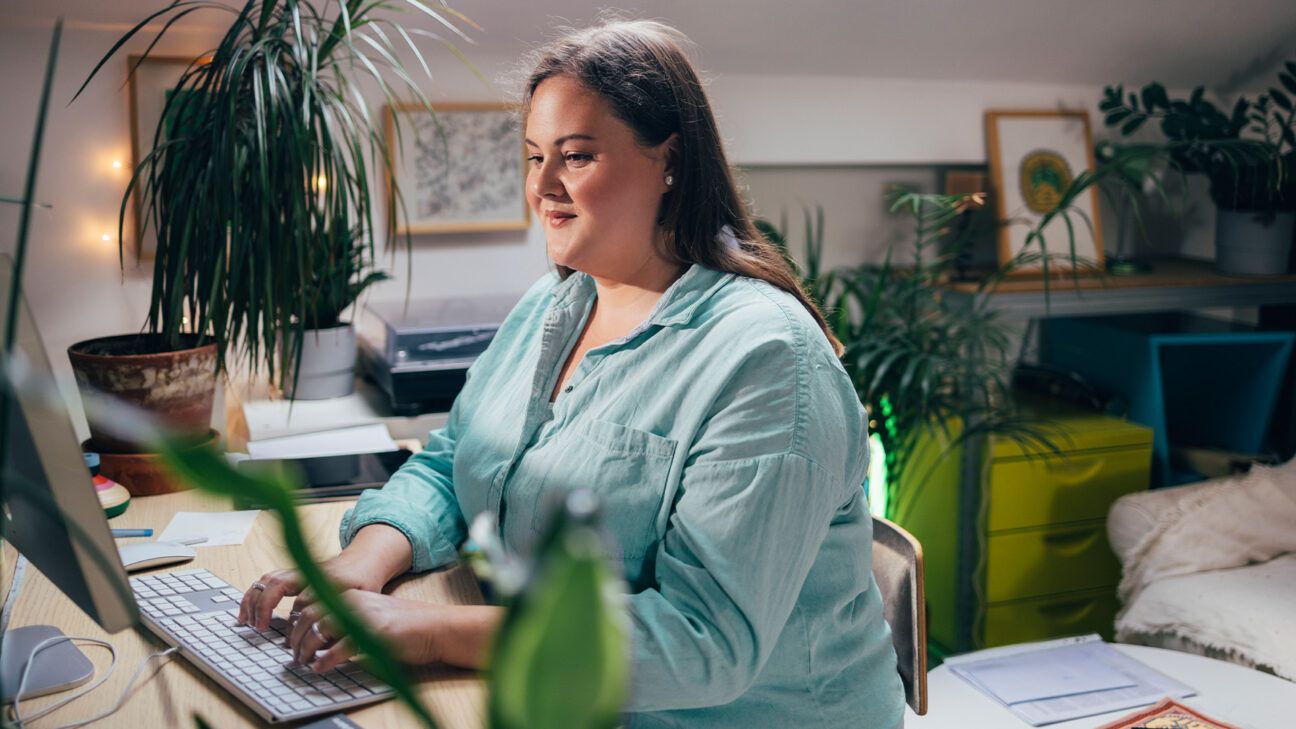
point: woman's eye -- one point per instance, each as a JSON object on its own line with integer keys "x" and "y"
{"x": 578, "y": 158}
{"x": 534, "y": 159}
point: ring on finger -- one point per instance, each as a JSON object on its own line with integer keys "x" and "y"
{"x": 259, "y": 586}
{"x": 315, "y": 629}
{"x": 294, "y": 616}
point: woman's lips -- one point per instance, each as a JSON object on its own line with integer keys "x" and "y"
{"x": 558, "y": 220}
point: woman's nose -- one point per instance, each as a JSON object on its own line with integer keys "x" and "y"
{"x": 545, "y": 182}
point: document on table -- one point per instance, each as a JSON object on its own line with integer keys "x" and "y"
{"x": 218, "y": 528}
{"x": 1066, "y": 679}
{"x": 372, "y": 438}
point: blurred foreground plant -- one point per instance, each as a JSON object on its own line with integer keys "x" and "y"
{"x": 561, "y": 657}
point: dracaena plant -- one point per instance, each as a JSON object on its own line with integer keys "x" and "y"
{"x": 258, "y": 186}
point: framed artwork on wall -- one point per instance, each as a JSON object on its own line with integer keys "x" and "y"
{"x": 1034, "y": 157}
{"x": 461, "y": 171}
{"x": 153, "y": 79}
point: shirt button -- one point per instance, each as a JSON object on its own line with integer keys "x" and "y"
{"x": 568, "y": 388}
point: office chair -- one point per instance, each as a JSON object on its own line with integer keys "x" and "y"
{"x": 898, "y": 569}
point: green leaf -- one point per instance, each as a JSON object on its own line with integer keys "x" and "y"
{"x": 1117, "y": 117}
{"x": 1280, "y": 99}
{"x": 1154, "y": 96}
{"x": 1288, "y": 81}
{"x": 1132, "y": 125}
{"x": 561, "y": 658}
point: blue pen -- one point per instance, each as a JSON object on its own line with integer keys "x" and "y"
{"x": 118, "y": 533}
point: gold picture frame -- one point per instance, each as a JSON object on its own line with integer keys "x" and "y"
{"x": 1043, "y": 151}
{"x": 150, "y": 79}
{"x": 462, "y": 171}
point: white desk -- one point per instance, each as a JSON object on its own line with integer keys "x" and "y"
{"x": 1225, "y": 691}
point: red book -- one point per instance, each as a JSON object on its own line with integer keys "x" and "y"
{"x": 1169, "y": 714}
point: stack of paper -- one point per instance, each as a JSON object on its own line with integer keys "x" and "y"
{"x": 1064, "y": 679}
{"x": 372, "y": 438}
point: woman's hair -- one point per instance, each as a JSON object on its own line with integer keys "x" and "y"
{"x": 640, "y": 68}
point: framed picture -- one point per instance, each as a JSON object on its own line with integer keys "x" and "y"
{"x": 155, "y": 77}
{"x": 1034, "y": 157}
{"x": 461, "y": 171}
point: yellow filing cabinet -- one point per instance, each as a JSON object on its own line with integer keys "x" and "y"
{"x": 1046, "y": 568}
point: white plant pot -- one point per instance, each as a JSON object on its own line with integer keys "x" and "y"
{"x": 328, "y": 358}
{"x": 1247, "y": 244}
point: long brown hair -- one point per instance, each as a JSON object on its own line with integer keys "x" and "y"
{"x": 640, "y": 68}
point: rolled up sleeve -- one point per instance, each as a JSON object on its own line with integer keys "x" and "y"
{"x": 734, "y": 558}
{"x": 419, "y": 500}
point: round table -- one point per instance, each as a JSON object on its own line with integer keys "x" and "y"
{"x": 1225, "y": 691}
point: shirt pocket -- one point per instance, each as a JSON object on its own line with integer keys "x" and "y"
{"x": 627, "y": 469}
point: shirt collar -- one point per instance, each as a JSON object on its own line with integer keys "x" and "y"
{"x": 676, "y": 307}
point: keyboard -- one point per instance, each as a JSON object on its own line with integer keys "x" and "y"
{"x": 197, "y": 612}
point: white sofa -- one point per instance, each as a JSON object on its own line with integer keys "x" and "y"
{"x": 1210, "y": 568}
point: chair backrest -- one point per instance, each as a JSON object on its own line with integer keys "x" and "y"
{"x": 898, "y": 569}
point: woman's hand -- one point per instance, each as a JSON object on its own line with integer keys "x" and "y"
{"x": 410, "y": 628}
{"x": 259, "y": 601}
{"x": 419, "y": 632}
{"x": 377, "y": 554}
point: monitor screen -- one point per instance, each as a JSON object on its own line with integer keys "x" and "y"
{"x": 51, "y": 512}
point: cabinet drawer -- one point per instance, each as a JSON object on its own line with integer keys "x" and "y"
{"x": 1051, "y": 617}
{"x": 1048, "y": 490}
{"x": 1047, "y": 561}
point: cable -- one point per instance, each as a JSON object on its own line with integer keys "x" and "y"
{"x": 20, "y": 720}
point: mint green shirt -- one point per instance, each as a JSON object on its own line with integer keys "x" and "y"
{"x": 728, "y": 450}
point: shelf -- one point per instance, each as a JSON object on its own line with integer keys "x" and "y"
{"x": 1172, "y": 284}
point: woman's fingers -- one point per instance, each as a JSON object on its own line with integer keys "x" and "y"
{"x": 312, "y": 638}
{"x": 303, "y": 600}
{"x": 301, "y": 623}
{"x": 260, "y": 600}
{"x": 333, "y": 656}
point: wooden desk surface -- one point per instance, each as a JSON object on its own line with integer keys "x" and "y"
{"x": 178, "y": 691}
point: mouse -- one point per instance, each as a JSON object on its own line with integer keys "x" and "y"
{"x": 143, "y": 555}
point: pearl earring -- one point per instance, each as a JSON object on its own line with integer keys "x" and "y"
{"x": 669, "y": 180}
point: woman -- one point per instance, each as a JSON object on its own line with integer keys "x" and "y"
{"x": 674, "y": 366}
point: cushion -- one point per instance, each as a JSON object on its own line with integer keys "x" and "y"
{"x": 1246, "y": 615}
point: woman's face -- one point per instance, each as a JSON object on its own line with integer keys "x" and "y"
{"x": 595, "y": 190}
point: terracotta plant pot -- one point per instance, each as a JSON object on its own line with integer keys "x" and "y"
{"x": 143, "y": 474}
{"x": 177, "y": 386}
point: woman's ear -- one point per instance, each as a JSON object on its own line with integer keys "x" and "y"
{"x": 670, "y": 150}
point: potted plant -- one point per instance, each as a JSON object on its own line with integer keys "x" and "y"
{"x": 1248, "y": 154}
{"x": 919, "y": 362}
{"x": 259, "y": 192}
{"x": 327, "y": 349}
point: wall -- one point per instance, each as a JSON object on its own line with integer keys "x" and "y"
{"x": 799, "y": 140}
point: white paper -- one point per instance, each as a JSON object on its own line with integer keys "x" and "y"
{"x": 373, "y": 438}
{"x": 1044, "y": 675}
{"x": 1143, "y": 684}
{"x": 220, "y": 528}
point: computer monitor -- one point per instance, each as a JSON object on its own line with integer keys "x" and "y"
{"x": 50, "y": 512}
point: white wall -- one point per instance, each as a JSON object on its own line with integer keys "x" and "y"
{"x": 831, "y": 140}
